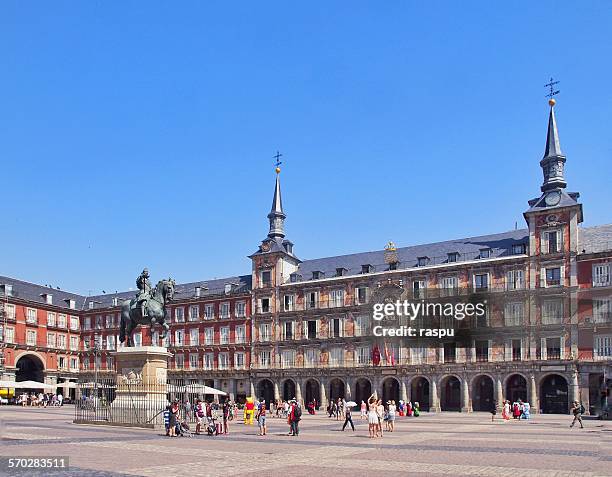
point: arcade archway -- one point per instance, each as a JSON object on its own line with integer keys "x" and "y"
{"x": 516, "y": 388}
{"x": 30, "y": 368}
{"x": 312, "y": 391}
{"x": 265, "y": 390}
{"x": 483, "y": 393}
{"x": 450, "y": 394}
{"x": 391, "y": 390}
{"x": 336, "y": 389}
{"x": 363, "y": 390}
{"x": 419, "y": 392}
{"x": 288, "y": 390}
{"x": 554, "y": 397}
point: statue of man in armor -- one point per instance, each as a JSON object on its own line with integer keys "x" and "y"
{"x": 144, "y": 291}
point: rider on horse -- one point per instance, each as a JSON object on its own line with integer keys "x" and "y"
{"x": 144, "y": 292}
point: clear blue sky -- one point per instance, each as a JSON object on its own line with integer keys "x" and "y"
{"x": 142, "y": 133}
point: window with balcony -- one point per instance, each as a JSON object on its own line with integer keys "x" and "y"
{"x": 31, "y": 337}
{"x": 418, "y": 288}
{"x": 602, "y": 275}
{"x": 209, "y": 361}
{"x": 179, "y": 360}
{"x": 312, "y": 357}
{"x": 362, "y": 325}
{"x": 517, "y": 353}
{"x": 225, "y": 334}
{"x": 364, "y": 356}
{"x": 602, "y": 348}
{"x": 194, "y": 313}
{"x": 288, "y": 302}
{"x": 239, "y": 362}
{"x": 240, "y": 309}
{"x": 312, "y": 300}
{"x": 74, "y": 343}
{"x": 312, "y": 328}
{"x": 31, "y": 315}
{"x": 449, "y": 286}
{"x": 194, "y": 336}
{"x": 602, "y": 310}
{"x": 193, "y": 360}
{"x": 481, "y": 281}
{"x": 336, "y": 298}
{"x": 265, "y": 332}
{"x": 450, "y": 352}
{"x": 336, "y": 328}
{"x": 288, "y": 358}
{"x": 109, "y": 321}
{"x": 209, "y": 336}
{"x": 482, "y": 351}
{"x": 110, "y": 342}
{"x": 515, "y": 279}
{"x": 265, "y": 359}
{"x": 74, "y": 364}
{"x": 553, "y": 348}
{"x": 418, "y": 355}
{"x": 179, "y": 337}
{"x": 336, "y": 356}
{"x": 553, "y": 276}
{"x": 361, "y": 295}
{"x": 514, "y": 314}
{"x": 74, "y": 322}
{"x": 224, "y": 311}
{"x": 209, "y": 311}
{"x": 110, "y": 363}
{"x": 551, "y": 241}
{"x": 9, "y": 334}
{"x": 552, "y": 312}
{"x": 51, "y": 342}
{"x": 10, "y": 311}
{"x": 264, "y": 305}
{"x": 179, "y": 315}
{"x": 265, "y": 278}
{"x": 240, "y": 332}
{"x": 51, "y": 321}
{"x": 61, "y": 362}
{"x": 287, "y": 330}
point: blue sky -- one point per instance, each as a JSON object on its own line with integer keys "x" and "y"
{"x": 140, "y": 134}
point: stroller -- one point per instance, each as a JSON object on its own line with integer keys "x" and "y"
{"x": 183, "y": 429}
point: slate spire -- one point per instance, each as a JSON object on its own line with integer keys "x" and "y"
{"x": 553, "y": 161}
{"x": 277, "y": 216}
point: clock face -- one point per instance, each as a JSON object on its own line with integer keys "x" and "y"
{"x": 552, "y": 198}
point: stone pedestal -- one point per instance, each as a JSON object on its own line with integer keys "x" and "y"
{"x": 141, "y": 393}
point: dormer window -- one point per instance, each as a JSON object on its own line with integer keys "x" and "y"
{"x": 367, "y": 268}
{"x": 295, "y": 277}
{"x": 453, "y": 257}
{"x": 341, "y": 271}
{"x": 48, "y": 298}
{"x": 71, "y": 303}
{"x": 485, "y": 253}
{"x": 518, "y": 249}
{"x": 288, "y": 246}
{"x": 228, "y": 288}
{"x": 90, "y": 304}
{"x": 7, "y": 289}
{"x": 115, "y": 301}
{"x": 422, "y": 261}
{"x": 198, "y": 292}
{"x": 317, "y": 275}
{"x": 393, "y": 266}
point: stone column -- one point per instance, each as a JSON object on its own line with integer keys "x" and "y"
{"x": 533, "y": 398}
{"x": 584, "y": 392}
{"x": 298, "y": 393}
{"x": 217, "y": 385}
{"x": 435, "y": 402}
{"x": 323, "y": 395}
{"x": 575, "y": 390}
{"x": 276, "y": 391}
{"x": 500, "y": 394}
{"x": 232, "y": 390}
{"x": 252, "y": 388}
{"x": 403, "y": 392}
{"x": 347, "y": 391}
{"x": 466, "y": 404}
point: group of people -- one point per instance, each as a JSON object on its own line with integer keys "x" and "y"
{"x": 177, "y": 417}
{"x": 291, "y": 410}
{"x": 40, "y": 399}
{"x": 518, "y": 409}
{"x": 377, "y": 413}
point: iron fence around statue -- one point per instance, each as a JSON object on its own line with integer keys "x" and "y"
{"x": 134, "y": 403}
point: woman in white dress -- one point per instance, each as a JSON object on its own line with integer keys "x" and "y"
{"x": 372, "y": 416}
{"x": 380, "y": 412}
{"x": 391, "y": 410}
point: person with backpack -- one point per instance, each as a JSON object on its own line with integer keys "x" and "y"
{"x": 295, "y": 415}
{"x": 577, "y": 410}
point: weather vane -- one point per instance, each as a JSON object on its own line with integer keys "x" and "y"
{"x": 551, "y": 86}
{"x": 278, "y": 161}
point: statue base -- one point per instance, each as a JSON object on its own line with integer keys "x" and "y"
{"x": 142, "y": 389}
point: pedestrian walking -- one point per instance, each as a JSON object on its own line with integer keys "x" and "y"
{"x": 348, "y": 419}
{"x": 261, "y": 418}
{"x": 577, "y": 410}
{"x": 391, "y": 410}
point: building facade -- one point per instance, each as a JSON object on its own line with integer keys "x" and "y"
{"x": 304, "y": 329}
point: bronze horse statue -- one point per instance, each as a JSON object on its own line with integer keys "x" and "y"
{"x": 131, "y": 311}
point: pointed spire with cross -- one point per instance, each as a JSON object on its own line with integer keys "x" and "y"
{"x": 276, "y": 215}
{"x": 553, "y": 161}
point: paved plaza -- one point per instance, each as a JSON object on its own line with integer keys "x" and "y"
{"x": 434, "y": 444}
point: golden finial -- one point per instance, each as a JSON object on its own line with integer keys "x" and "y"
{"x": 552, "y": 102}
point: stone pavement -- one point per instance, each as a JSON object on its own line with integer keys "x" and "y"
{"x": 433, "y": 444}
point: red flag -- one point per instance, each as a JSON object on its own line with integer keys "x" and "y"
{"x": 376, "y": 355}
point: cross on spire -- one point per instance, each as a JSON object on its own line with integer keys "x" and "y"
{"x": 551, "y": 86}
{"x": 277, "y": 156}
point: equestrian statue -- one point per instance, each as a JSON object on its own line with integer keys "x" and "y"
{"x": 148, "y": 307}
